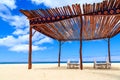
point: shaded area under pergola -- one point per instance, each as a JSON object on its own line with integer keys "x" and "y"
{"x": 69, "y": 23}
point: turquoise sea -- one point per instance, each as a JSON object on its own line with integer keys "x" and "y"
{"x": 52, "y": 62}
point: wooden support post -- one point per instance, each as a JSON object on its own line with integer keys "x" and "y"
{"x": 59, "y": 55}
{"x": 81, "y": 64}
{"x": 109, "y": 56}
{"x": 30, "y": 49}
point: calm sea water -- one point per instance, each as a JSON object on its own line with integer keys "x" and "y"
{"x": 52, "y": 62}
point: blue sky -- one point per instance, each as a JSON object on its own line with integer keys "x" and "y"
{"x": 14, "y": 36}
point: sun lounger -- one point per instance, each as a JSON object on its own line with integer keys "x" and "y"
{"x": 106, "y": 65}
{"x": 72, "y": 65}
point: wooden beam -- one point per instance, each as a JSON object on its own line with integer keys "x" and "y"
{"x": 81, "y": 64}
{"x": 30, "y": 49}
{"x": 59, "y": 55}
{"x": 109, "y": 56}
{"x": 38, "y": 20}
{"x": 40, "y": 29}
{"x": 34, "y": 33}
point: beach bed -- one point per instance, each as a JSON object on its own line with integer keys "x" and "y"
{"x": 106, "y": 65}
{"x": 72, "y": 65}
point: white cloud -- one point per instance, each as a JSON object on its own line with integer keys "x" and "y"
{"x": 23, "y": 38}
{"x": 18, "y": 21}
{"x": 39, "y": 39}
{"x": 60, "y": 3}
{"x": 19, "y": 39}
{"x": 9, "y": 3}
{"x": 38, "y": 1}
{"x": 44, "y": 40}
{"x": 21, "y": 31}
{"x": 20, "y": 44}
{"x": 4, "y": 11}
{"x": 8, "y": 41}
{"x": 25, "y": 47}
{"x": 37, "y": 36}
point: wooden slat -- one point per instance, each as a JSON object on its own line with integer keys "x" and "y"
{"x": 117, "y": 30}
{"x": 104, "y": 25}
{"x": 66, "y": 30}
{"x": 60, "y": 28}
{"x": 63, "y": 23}
{"x": 45, "y": 33}
{"x": 92, "y": 25}
{"x": 115, "y": 20}
{"x": 50, "y": 13}
{"x": 56, "y": 31}
{"x": 70, "y": 10}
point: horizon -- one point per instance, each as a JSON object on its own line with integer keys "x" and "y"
{"x": 14, "y": 36}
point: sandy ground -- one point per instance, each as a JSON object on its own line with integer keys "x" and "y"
{"x": 52, "y": 72}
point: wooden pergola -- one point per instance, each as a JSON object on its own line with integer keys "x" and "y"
{"x": 69, "y": 23}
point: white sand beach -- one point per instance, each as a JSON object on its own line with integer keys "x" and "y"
{"x": 52, "y": 72}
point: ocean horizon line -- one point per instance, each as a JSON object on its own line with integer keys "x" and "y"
{"x": 52, "y": 62}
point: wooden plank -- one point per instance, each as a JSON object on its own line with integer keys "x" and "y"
{"x": 40, "y": 12}
{"x": 56, "y": 31}
{"x": 41, "y": 30}
{"x": 105, "y": 5}
{"x": 75, "y": 31}
{"x": 87, "y": 26}
{"x": 85, "y": 32}
{"x": 27, "y": 13}
{"x": 61, "y": 11}
{"x": 59, "y": 54}
{"x": 65, "y": 10}
{"x": 30, "y": 49}
{"x": 58, "y": 13}
{"x": 104, "y": 26}
{"x": 58, "y": 25}
{"x": 110, "y": 4}
{"x": 78, "y": 9}
{"x": 101, "y": 26}
{"x": 81, "y": 63}
{"x": 44, "y": 29}
{"x": 50, "y": 13}
{"x": 98, "y": 26}
{"x": 34, "y": 13}
{"x": 109, "y": 55}
{"x": 55, "y": 13}
{"x": 116, "y": 31}
{"x": 64, "y": 25}
{"x": 117, "y": 4}
{"x": 70, "y": 10}
{"x": 75, "y": 27}
{"x": 92, "y": 25}
{"x": 115, "y": 21}
{"x": 74, "y": 10}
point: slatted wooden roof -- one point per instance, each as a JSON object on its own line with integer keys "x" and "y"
{"x": 99, "y": 20}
